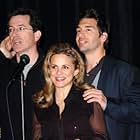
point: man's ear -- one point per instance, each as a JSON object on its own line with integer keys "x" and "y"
{"x": 104, "y": 36}
{"x": 37, "y": 35}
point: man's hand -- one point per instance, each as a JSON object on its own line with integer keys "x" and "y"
{"x": 6, "y": 48}
{"x": 95, "y": 95}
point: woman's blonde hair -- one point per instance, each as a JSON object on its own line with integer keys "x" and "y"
{"x": 45, "y": 97}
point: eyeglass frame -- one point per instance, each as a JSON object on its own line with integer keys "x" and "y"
{"x": 11, "y": 30}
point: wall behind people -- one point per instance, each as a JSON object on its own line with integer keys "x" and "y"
{"x": 59, "y": 20}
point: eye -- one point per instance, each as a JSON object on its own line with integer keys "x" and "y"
{"x": 78, "y": 30}
{"x": 21, "y": 28}
{"x": 53, "y": 66}
{"x": 10, "y": 30}
{"x": 65, "y": 67}
{"x": 88, "y": 29}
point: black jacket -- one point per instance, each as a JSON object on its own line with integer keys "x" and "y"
{"x": 10, "y": 98}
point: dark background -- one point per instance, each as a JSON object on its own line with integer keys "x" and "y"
{"x": 59, "y": 20}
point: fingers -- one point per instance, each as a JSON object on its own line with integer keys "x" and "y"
{"x": 6, "y": 47}
{"x": 7, "y": 43}
{"x": 95, "y": 95}
{"x": 13, "y": 53}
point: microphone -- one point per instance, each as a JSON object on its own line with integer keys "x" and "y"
{"x": 24, "y": 60}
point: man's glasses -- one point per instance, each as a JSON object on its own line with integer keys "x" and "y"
{"x": 19, "y": 29}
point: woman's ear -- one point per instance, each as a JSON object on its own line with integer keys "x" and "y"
{"x": 76, "y": 72}
{"x": 37, "y": 35}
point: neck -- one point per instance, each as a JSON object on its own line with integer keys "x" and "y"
{"x": 93, "y": 59}
{"x": 32, "y": 53}
{"x": 62, "y": 93}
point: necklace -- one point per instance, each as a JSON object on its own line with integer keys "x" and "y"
{"x": 89, "y": 67}
{"x": 87, "y": 74}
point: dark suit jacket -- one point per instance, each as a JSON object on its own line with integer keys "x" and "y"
{"x": 120, "y": 82}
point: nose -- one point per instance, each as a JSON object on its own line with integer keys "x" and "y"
{"x": 59, "y": 71}
{"x": 80, "y": 34}
{"x": 13, "y": 34}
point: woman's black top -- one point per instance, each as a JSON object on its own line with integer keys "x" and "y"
{"x": 79, "y": 120}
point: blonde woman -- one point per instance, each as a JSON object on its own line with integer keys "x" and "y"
{"x": 61, "y": 113}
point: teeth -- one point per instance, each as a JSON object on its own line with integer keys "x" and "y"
{"x": 81, "y": 42}
{"x": 60, "y": 79}
{"x": 16, "y": 40}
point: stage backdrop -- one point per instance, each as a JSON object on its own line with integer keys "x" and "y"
{"x": 59, "y": 19}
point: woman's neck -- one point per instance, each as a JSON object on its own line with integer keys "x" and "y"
{"x": 60, "y": 96}
{"x": 62, "y": 93}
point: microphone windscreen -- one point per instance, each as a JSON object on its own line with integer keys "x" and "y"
{"x": 25, "y": 59}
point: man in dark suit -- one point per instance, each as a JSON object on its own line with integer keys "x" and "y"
{"x": 117, "y": 82}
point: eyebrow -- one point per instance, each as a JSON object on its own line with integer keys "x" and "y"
{"x": 19, "y": 25}
{"x": 61, "y": 65}
{"x": 88, "y": 26}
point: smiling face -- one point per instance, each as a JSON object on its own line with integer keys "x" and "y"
{"x": 23, "y": 39}
{"x": 87, "y": 35}
{"x": 62, "y": 70}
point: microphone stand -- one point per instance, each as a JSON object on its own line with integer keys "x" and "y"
{"x": 8, "y": 110}
{"x": 24, "y": 60}
{"x": 22, "y": 107}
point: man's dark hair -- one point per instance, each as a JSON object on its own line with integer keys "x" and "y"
{"x": 35, "y": 21}
{"x": 102, "y": 25}
{"x": 101, "y": 22}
